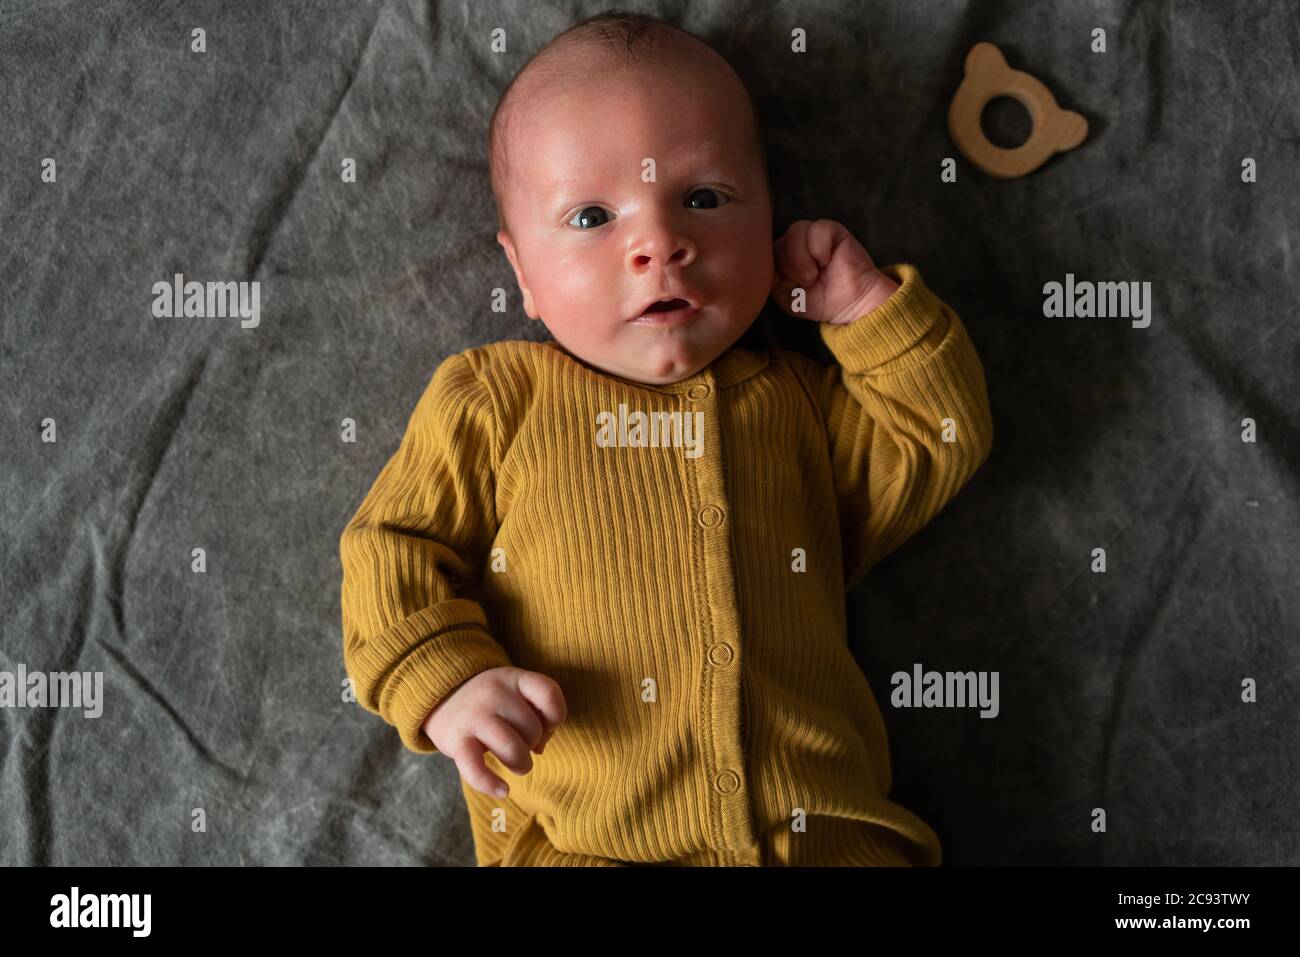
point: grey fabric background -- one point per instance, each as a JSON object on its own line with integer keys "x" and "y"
{"x": 223, "y": 690}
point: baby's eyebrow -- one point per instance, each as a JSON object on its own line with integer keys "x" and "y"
{"x": 706, "y": 158}
{"x": 561, "y": 187}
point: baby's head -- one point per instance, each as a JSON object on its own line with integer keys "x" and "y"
{"x": 628, "y": 166}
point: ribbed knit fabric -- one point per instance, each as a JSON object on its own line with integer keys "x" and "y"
{"x": 692, "y": 609}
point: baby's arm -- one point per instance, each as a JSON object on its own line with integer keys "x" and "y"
{"x": 420, "y": 536}
{"x": 908, "y": 377}
{"x": 906, "y": 367}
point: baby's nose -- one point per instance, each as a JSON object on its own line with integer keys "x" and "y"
{"x": 664, "y": 252}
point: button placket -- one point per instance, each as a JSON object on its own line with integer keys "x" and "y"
{"x": 719, "y": 618}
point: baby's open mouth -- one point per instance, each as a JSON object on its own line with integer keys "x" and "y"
{"x": 663, "y": 305}
{"x": 666, "y": 312}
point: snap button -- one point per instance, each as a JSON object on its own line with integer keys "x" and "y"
{"x": 721, "y": 654}
{"x": 710, "y": 516}
{"x": 698, "y": 391}
{"x": 728, "y": 782}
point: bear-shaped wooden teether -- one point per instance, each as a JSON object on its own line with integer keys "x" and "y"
{"x": 988, "y": 76}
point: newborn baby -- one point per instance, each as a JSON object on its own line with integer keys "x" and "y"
{"x": 606, "y": 573}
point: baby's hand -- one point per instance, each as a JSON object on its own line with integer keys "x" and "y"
{"x": 839, "y": 278}
{"x": 507, "y": 711}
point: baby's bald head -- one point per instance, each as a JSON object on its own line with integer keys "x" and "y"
{"x": 581, "y": 57}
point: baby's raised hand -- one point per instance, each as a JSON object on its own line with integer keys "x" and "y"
{"x": 507, "y": 711}
{"x": 840, "y": 282}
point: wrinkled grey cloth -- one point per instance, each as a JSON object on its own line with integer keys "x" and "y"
{"x": 223, "y": 697}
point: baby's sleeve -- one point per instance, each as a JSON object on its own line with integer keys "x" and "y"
{"x": 411, "y": 633}
{"x": 908, "y": 379}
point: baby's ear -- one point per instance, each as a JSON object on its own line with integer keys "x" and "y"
{"x": 504, "y": 239}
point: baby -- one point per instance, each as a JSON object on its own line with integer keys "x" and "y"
{"x": 625, "y": 550}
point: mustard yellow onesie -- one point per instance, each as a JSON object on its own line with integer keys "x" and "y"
{"x": 689, "y": 599}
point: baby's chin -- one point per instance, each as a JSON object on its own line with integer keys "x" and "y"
{"x": 655, "y": 355}
{"x": 656, "y": 365}
{"x": 666, "y": 373}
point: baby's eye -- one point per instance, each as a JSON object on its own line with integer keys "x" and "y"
{"x": 589, "y": 217}
{"x": 707, "y": 204}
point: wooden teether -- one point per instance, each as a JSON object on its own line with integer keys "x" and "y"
{"x": 988, "y": 76}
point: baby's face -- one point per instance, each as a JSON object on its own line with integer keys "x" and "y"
{"x": 644, "y": 186}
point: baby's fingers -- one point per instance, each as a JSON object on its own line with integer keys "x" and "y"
{"x": 794, "y": 260}
{"x": 470, "y": 764}
{"x": 546, "y": 697}
{"x": 506, "y": 743}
